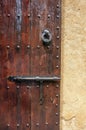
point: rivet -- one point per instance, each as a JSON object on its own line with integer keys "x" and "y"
{"x": 8, "y": 87}
{"x": 56, "y": 114}
{"x": 8, "y": 46}
{"x": 57, "y": 66}
{"x": 28, "y": 87}
{"x": 46, "y": 123}
{"x": 47, "y": 86}
{"x": 57, "y": 37}
{"x": 8, "y": 15}
{"x": 56, "y": 123}
{"x": 57, "y": 86}
{"x": 49, "y": 16}
{"x": 57, "y": 57}
{"x": 57, "y": 27}
{"x": 56, "y": 105}
{"x": 57, "y": 95}
{"x": 57, "y": 47}
{"x": 28, "y": 15}
{"x": 37, "y": 86}
{"x": 38, "y": 46}
{"x": 28, "y": 46}
{"x": 8, "y": 125}
{"x": 37, "y": 124}
{"x": 18, "y": 15}
{"x": 27, "y": 124}
{"x": 18, "y": 46}
{"x": 48, "y": 47}
{"x": 57, "y": 16}
{"x": 57, "y": 5}
{"x": 18, "y": 125}
{"x": 17, "y": 87}
{"x": 39, "y": 16}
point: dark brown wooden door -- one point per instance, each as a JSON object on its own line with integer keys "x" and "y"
{"x": 29, "y": 64}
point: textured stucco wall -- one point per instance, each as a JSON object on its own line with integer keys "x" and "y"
{"x": 73, "y": 85}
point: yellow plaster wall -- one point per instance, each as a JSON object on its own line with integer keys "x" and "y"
{"x": 73, "y": 84}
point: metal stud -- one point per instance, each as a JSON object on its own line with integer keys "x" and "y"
{"x": 57, "y": 66}
{"x": 57, "y": 27}
{"x": 56, "y": 105}
{"x": 57, "y": 86}
{"x": 56, "y": 123}
{"x": 57, "y": 95}
{"x": 57, "y": 16}
{"x": 57, "y": 37}
{"x": 8, "y": 125}
{"x": 27, "y": 124}
{"x": 28, "y": 87}
{"x": 8, "y": 47}
{"x": 17, "y": 87}
{"x": 48, "y": 47}
{"x": 49, "y": 16}
{"x": 39, "y": 16}
{"x": 28, "y": 46}
{"x": 18, "y": 15}
{"x": 38, "y": 46}
{"x": 8, "y": 15}
{"x": 56, "y": 114}
{"x": 37, "y": 86}
{"x": 57, "y": 47}
{"x": 8, "y": 87}
{"x": 37, "y": 124}
{"x": 18, "y": 125}
{"x": 47, "y": 86}
{"x": 46, "y": 123}
{"x": 57, "y": 57}
{"x": 57, "y": 5}
{"x": 18, "y": 47}
{"x": 28, "y": 15}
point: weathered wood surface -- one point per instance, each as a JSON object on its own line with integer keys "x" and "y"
{"x": 22, "y": 53}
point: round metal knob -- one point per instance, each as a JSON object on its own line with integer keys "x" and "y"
{"x": 46, "y": 37}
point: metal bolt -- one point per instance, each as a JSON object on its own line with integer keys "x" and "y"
{"x": 37, "y": 86}
{"x": 57, "y": 47}
{"x": 8, "y": 87}
{"x": 57, "y": 5}
{"x": 56, "y": 114}
{"x": 49, "y": 16}
{"x": 18, "y": 46}
{"x": 8, "y": 47}
{"x": 8, "y": 125}
{"x": 37, "y": 124}
{"x": 56, "y": 123}
{"x": 57, "y": 95}
{"x": 39, "y": 16}
{"x": 48, "y": 47}
{"x": 57, "y": 86}
{"x": 38, "y": 46}
{"x": 56, "y": 105}
{"x": 27, "y": 124}
{"x": 57, "y": 16}
{"x": 57, "y": 66}
{"x": 18, "y": 15}
{"x": 57, "y": 37}
{"x": 28, "y": 87}
{"x": 57, "y": 27}
{"x": 8, "y": 15}
{"x": 28, "y": 15}
{"x": 46, "y": 123}
{"x": 17, "y": 87}
{"x": 57, "y": 57}
{"x": 47, "y": 86}
{"x": 28, "y": 46}
{"x": 18, "y": 125}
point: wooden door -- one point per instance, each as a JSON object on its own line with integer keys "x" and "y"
{"x": 29, "y": 64}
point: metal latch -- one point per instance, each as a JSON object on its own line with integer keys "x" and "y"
{"x": 39, "y": 79}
